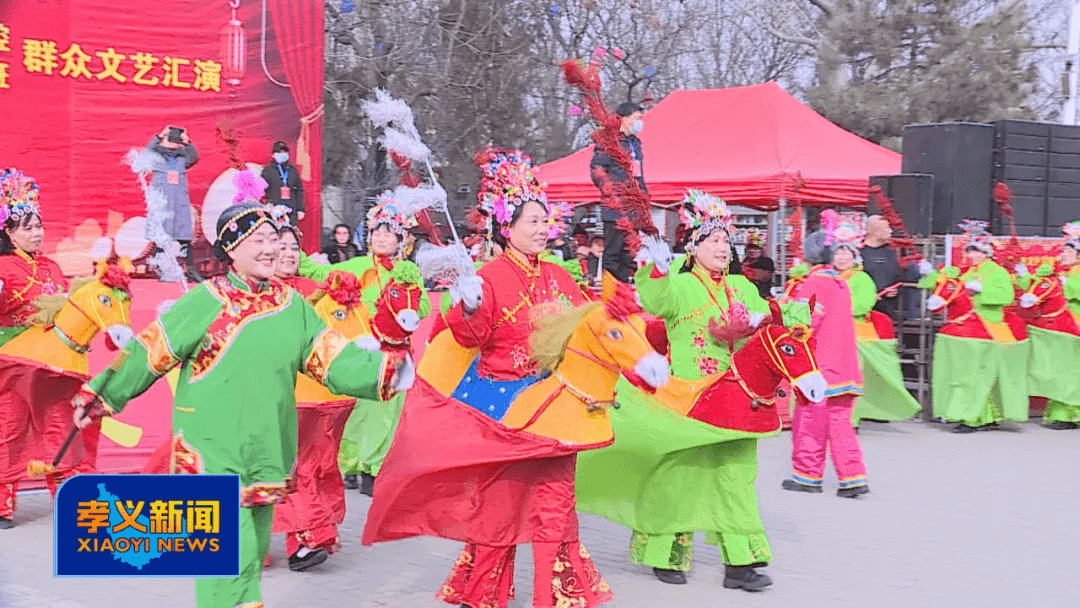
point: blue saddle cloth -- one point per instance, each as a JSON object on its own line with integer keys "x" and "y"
{"x": 490, "y": 397}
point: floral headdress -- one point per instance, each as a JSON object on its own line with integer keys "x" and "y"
{"x": 701, "y": 214}
{"x": 387, "y": 211}
{"x": 506, "y": 183}
{"x": 978, "y": 235}
{"x": 847, "y": 234}
{"x": 280, "y": 214}
{"x": 241, "y": 221}
{"x": 18, "y": 195}
{"x": 559, "y": 217}
{"x": 755, "y": 238}
{"x": 1072, "y": 234}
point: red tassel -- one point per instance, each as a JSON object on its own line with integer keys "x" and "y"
{"x": 229, "y": 136}
{"x": 902, "y": 242}
{"x": 1002, "y": 196}
{"x": 407, "y": 178}
{"x": 627, "y": 197}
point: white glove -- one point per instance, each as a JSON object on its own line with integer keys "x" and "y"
{"x": 469, "y": 290}
{"x": 406, "y": 375}
{"x": 319, "y": 258}
{"x": 1020, "y": 270}
{"x": 1, "y": 285}
{"x": 974, "y": 286}
{"x": 1063, "y": 280}
{"x": 368, "y": 343}
{"x": 656, "y": 251}
{"x": 756, "y": 318}
{"x": 925, "y": 268}
{"x": 1028, "y": 300}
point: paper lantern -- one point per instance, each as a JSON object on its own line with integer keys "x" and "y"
{"x": 233, "y": 48}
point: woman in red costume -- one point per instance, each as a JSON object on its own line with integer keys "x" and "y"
{"x": 491, "y": 313}
{"x": 24, "y": 275}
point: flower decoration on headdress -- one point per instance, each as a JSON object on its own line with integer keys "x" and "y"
{"x": 386, "y": 212}
{"x": 250, "y": 186}
{"x": 18, "y": 195}
{"x": 830, "y": 219}
{"x": 755, "y": 238}
{"x": 507, "y": 182}
{"x": 848, "y": 234}
{"x": 701, "y": 214}
{"x": 978, "y": 234}
{"x": 559, "y": 217}
{"x": 1072, "y": 234}
{"x": 280, "y": 215}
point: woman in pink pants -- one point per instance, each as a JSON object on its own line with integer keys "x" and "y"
{"x": 827, "y": 425}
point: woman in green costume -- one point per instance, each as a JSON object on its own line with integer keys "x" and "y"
{"x": 234, "y": 410}
{"x": 884, "y": 396}
{"x": 980, "y": 349}
{"x": 371, "y": 425}
{"x": 1052, "y": 301}
{"x": 668, "y": 475}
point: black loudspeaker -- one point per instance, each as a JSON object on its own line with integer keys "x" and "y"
{"x": 960, "y": 156}
{"x": 1040, "y": 162}
{"x": 912, "y": 195}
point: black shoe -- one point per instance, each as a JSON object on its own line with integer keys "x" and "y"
{"x": 963, "y": 429}
{"x": 1061, "y": 426}
{"x": 351, "y": 483}
{"x": 299, "y": 564}
{"x": 745, "y": 578}
{"x": 6, "y": 524}
{"x": 794, "y": 486}
{"x": 854, "y": 492}
{"x": 367, "y": 484}
{"x": 671, "y": 577}
{"x": 856, "y": 430}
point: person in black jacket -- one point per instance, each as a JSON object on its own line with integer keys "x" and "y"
{"x": 880, "y": 262}
{"x": 283, "y": 179}
{"x": 603, "y": 168}
{"x": 341, "y": 248}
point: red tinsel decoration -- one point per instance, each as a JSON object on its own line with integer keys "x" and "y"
{"x": 902, "y": 242}
{"x": 407, "y": 178}
{"x": 628, "y": 198}
{"x": 347, "y": 291}
{"x": 114, "y": 277}
{"x": 229, "y": 136}
{"x": 623, "y": 303}
{"x": 1002, "y": 196}
{"x": 794, "y": 244}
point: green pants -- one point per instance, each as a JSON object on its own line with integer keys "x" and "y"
{"x": 244, "y": 590}
{"x": 990, "y": 414}
{"x": 368, "y": 435}
{"x": 676, "y": 551}
{"x": 1057, "y": 411}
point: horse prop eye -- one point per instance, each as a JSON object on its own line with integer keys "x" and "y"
{"x": 394, "y": 293}
{"x": 106, "y": 300}
{"x": 339, "y": 315}
{"x": 614, "y": 334}
{"x": 787, "y": 349}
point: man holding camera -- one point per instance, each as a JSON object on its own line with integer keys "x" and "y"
{"x": 284, "y": 182}
{"x": 178, "y": 154}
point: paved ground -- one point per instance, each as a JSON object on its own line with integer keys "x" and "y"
{"x": 981, "y": 520}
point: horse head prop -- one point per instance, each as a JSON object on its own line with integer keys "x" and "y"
{"x": 339, "y": 304}
{"x": 585, "y": 350}
{"x": 397, "y": 310}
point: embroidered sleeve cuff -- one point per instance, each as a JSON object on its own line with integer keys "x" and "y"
{"x": 160, "y": 357}
{"x": 326, "y": 348}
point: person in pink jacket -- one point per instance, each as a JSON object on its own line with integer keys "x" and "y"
{"x": 827, "y": 425}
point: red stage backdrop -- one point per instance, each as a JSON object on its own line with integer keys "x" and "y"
{"x": 83, "y": 81}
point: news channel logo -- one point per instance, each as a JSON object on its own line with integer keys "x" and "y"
{"x": 147, "y": 526}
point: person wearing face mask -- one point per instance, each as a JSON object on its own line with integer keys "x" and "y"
{"x": 818, "y": 427}
{"x": 235, "y": 411}
{"x": 543, "y": 486}
{"x": 177, "y": 155}
{"x": 689, "y": 294}
{"x": 605, "y": 171}
{"x": 285, "y": 187}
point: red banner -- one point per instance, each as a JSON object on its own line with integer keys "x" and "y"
{"x": 1034, "y": 250}
{"x": 82, "y": 82}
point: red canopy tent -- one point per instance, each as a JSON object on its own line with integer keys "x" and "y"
{"x": 750, "y": 145}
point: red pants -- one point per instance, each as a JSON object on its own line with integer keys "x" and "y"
{"x": 821, "y": 426}
{"x": 323, "y": 537}
{"x": 8, "y": 490}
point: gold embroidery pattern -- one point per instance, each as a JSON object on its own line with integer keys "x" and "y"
{"x": 259, "y": 494}
{"x": 160, "y": 357}
{"x": 327, "y": 346}
{"x": 239, "y": 308}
